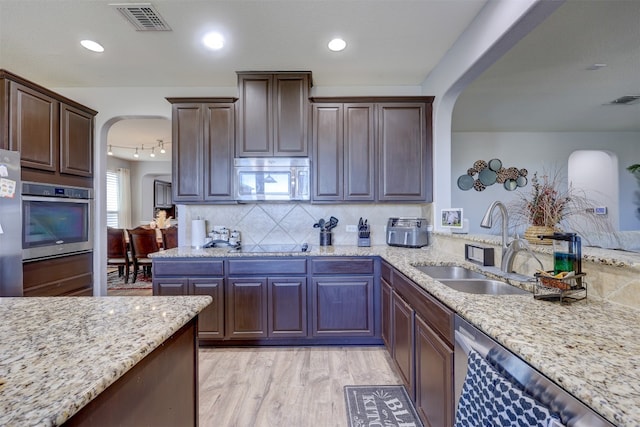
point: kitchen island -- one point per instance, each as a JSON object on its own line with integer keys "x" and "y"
{"x": 590, "y": 348}
{"x": 62, "y": 359}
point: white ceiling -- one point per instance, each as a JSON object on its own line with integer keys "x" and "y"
{"x": 541, "y": 84}
{"x": 390, "y": 43}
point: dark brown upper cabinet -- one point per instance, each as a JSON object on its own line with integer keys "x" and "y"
{"x": 76, "y": 141}
{"x": 203, "y": 133}
{"x": 53, "y": 134}
{"x": 404, "y": 152}
{"x": 343, "y": 152}
{"x": 372, "y": 149}
{"x": 273, "y": 114}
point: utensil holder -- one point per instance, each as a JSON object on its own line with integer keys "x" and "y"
{"x": 326, "y": 238}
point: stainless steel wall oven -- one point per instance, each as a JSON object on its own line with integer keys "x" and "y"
{"x": 56, "y": 220}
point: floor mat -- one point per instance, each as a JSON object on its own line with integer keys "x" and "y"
{"x": 379, "y": 405}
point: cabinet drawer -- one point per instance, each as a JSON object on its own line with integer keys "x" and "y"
{"x": 275, "y": 265}
{"x": 342, "y": 265}
{"x": 434, "y": 313}
{"x": 188, "y": 268}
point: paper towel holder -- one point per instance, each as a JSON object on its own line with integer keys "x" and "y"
{"x": 198, "y": 233}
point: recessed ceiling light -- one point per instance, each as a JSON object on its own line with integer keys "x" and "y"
{"x": 337, "y": 45}
{"x": 595, "y": 67}
{"x": 213, "y": 41}
{"x": 92, "y": 46}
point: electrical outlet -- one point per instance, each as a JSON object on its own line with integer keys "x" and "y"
{"x": 352, "y": 228}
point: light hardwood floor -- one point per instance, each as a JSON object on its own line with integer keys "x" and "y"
{"x": 292, "y": 387}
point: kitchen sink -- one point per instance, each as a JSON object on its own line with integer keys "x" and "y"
{"x": 449, "y": 272}
{"x": 482, "y": 286}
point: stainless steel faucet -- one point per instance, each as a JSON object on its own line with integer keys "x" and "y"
{"x": 487, "y": 222}
{"x": 509, "y": 249}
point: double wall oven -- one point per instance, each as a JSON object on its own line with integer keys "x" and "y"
{"x": 56, "y": 220}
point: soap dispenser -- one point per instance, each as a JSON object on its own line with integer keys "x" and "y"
{"x": 567, "y": 252}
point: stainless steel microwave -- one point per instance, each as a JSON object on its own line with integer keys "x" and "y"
{"x": 271, "y": 178}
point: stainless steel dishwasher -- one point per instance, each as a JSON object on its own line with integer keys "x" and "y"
{"x": 572, "y": 412}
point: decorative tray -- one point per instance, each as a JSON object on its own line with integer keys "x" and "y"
{"x": 564, "y": 289}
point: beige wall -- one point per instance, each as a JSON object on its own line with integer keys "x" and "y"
{"x": 282, "y": 223}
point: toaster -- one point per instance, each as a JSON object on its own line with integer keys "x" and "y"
{"x": 408, "y": 232}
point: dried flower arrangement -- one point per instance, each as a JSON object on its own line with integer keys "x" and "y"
{"x": 553, "y": 204}
{"x": 547, "y": 203}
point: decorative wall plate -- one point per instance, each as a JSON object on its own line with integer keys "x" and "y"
{"x": 495, "y": 164}
{"x": 465, "y": 182}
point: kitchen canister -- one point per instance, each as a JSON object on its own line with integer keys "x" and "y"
{"x": 325, "y": 238}
{"x": 198, "y": 233}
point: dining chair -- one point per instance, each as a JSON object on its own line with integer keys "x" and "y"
{"x": 117, "y": 252}
{"x": 143, "y": 242}
{"x": 169, "y": 237}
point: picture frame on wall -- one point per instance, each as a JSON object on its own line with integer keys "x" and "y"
{"x": 451, "y": 218}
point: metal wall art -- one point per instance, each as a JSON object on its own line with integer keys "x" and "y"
{"x": 483, "y": 174}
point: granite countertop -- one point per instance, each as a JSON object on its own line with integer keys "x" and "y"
{"x": 591, "y": 348}
{"x": 59, "y": 353}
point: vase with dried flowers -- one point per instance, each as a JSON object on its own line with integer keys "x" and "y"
{"x": 550, "y": 205}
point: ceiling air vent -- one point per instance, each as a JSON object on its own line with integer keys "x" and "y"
{"x": 626, "y": 100}
{"x": 143, "y": 16}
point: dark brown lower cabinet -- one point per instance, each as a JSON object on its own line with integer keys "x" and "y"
{"x": 287, "y": 307}
{"x": 195, "y": 277}
{"x": 211, "y": 319}
{"x": 246, "y": 307}
{"x": 403, "y": 341}
{"x": 434, "y": 376}
{"x": 261, "y": 307}
{"x": 421, "y": 345}
{"x": 385, "y": 312}
{"x": 278, "y": 300}
{"x": 343, "y": 306}
{"x": 64, "y": 276}
{"x": 171, "y": 287}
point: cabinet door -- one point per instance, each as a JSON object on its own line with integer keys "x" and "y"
{"x": 359, "y": 152}
{"x": 290, "y": 114}
{"x": 287, "y": 307}
{"x": 434, "y": 377}
{"x": 386, "y": 314}
{"x": 170, "y": 287}
{"x": 168, "y": 198}
{"x": 328, "y": 152}
{"x": 160, "y": 195}
{"x": 187, "y": 153}
{"x": 76, "y": 141}
{"x": 219, "y": 141}
{"x": 343, "y": 306}
{"x": 34, "y": 127}
{"x": 403, "y": 160}
{"x": 255, "y": 115}
{"x": 246, "y": 314}
{"x": 402, "y": 315}
{"x": 211, "y": 319}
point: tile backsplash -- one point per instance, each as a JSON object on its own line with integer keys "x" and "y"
{"x": 282, "y": 223}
